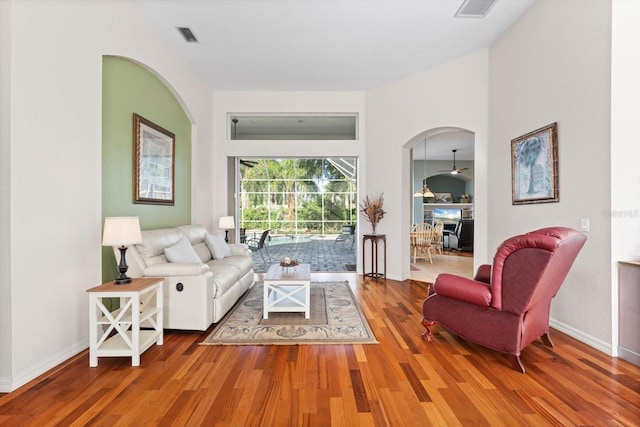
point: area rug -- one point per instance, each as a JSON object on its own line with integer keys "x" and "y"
{"x": 335, "y": 319}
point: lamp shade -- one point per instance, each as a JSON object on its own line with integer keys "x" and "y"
{"x": 226, "y": 223}
{"x": 428, "y": 192}
{"x": 121, "y": 231}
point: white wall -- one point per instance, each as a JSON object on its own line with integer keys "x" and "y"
{"x": 226, "y": 103}
{"x": 625, "y": 149}
{"x": 5, "y": 192}
{"x": 553, "y": 65}
{"x": 53, "y": 204}
{"x": 450, "y": 95}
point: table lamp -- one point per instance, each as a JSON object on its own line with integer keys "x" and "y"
{"x": 121, "y": 231}
{"x": 226, "y": 223}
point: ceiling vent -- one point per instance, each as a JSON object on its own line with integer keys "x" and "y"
{"x": 187, "y": 34}
{"x": 475, "y": 8}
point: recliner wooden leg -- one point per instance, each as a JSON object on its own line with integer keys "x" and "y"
{"x": 428, "y": 335}
{"x": 546, "y": 340}
{"x": 516, "y": 363}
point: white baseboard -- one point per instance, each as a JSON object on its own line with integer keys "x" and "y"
{"x": 594, "y": 342}
{"x": 629, "y": 355}
{"x": 9, "y": 384}
{"x": 5, "y": 385}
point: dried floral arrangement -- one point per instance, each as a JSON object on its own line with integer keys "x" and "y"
{"x": 288, "y": 262}
{"x": 371, "y": 207}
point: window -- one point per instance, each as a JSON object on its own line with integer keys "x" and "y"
{"x": 293, "y": 127}
{"x": 297, "y": 196}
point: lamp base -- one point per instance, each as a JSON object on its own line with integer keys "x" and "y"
{"x": 122, "y": 279}
{"x": 226, "y": 236}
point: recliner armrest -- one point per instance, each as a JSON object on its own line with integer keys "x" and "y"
{"x": 239, "y": 249}
{"x": 175, "y": 269}
{"x": 461, "y": 289}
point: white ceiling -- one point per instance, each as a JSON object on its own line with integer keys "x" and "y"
{"x": 287, "y": 45}
{"x": 329, "y": 45}
{"x": 439, "y": 147}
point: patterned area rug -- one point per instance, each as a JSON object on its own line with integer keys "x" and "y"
{"x": 335, "y": 319}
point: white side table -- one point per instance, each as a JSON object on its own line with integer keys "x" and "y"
{"x": 140, "y": 303}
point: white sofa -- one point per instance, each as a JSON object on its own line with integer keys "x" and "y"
{"x": 196, "y": 294}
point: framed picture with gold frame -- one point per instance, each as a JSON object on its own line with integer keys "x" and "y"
{"x": 154, "y": 163}
{"x": 534, "y": 166}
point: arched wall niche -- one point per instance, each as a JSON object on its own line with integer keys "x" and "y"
{"x": 169, "y": 86}
{"x": 129, "y": 87}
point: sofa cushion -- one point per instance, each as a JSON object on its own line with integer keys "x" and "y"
{"x": 153, "y": 243}
{"x": 195, "y": 234}
{"x": 240, "y": 249}
{"x": 218, "y": 247}
{"x": 182, "y": 252}
{"x": 203, "y": 252}
{"x": 243, "y": 263}
{"x": 224, "y": 277}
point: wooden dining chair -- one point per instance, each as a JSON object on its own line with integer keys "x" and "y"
{"x": 422, "y": 237}
{"x": 438, "y": 228}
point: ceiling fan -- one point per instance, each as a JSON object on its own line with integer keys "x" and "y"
{"x": 455, "y": 170}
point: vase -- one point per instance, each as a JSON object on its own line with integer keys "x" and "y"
{"x": 373, "y": 227}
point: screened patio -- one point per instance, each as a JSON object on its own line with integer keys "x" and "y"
{"x": 305, "y": 204}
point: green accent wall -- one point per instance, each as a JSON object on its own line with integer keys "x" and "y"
{"x": 129, "y": 88}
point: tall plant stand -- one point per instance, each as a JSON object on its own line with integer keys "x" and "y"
{"x": 375, "y": 240}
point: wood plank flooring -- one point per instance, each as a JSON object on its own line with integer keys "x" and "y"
{"x": 403, "y": 381}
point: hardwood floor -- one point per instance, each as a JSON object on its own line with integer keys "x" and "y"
{"x": 459, "y": 263}
{"x": 404, "y": 380}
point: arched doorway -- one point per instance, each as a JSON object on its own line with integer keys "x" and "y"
{"x": 442, "y": 176}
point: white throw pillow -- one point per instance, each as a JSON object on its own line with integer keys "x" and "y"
{"x": 182, "y": 252}
{"x": 218, "y": 247}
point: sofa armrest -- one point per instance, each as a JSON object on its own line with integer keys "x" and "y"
{"x": 461, "y": 289}
{"x": 483, "y": 274}
{"x": 239, "y": 249}
{"x": 175, "y": 269}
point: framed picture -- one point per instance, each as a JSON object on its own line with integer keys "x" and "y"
{"x": 534, "y": 166}
{"x": 154, "y": 163}
{"x": 443, "y": 197}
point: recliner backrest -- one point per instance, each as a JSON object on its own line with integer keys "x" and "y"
{"x": 531, "y": 267}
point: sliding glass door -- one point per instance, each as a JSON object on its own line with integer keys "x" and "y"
{"x": 292, "y": 196}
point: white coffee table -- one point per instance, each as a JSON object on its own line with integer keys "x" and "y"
{"x": 287, "y": 289}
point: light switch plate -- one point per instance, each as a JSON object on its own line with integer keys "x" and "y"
{"x": 584, "y": 225}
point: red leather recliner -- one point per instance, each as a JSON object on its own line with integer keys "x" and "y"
{"x": 506, "y": 306}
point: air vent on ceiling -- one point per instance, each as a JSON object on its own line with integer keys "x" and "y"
{"x": 187, "y": 34}
{"x": 475, "y": 8}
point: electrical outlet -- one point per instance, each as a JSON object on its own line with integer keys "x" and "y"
{"x": 584, "y": 225}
